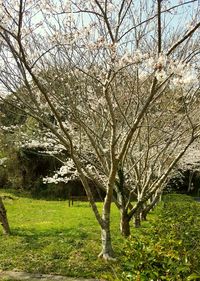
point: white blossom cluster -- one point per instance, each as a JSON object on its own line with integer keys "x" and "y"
{"x": 36, "y": 144}
{"x": 66, "y": 173}
{"x": 182, "y": 73}
{"x": 44, "y": 145}
{"x": 10, "y": 128}
{"x": 2, "y": 161}
{"x": 135, "y": 57}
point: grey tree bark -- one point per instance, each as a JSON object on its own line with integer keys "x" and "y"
{"x": 107, "y": 250}
{"x": 125, "y": 224}
{"x": 150, "y": 206}
{"x": 3, "y": 218}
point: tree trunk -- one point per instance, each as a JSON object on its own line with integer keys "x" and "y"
{"x": 137, "y": 219}
{"x": 3, "y": 218}
{"x": 150, "y": 207}
{"x": 144, "y": 215}
{"x": 107, "y": 252}
{"x": 125, "y": 224}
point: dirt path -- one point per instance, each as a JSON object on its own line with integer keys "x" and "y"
{"x": 20, "y": 276}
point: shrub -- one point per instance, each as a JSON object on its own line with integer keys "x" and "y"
{"x": 177, "y": 198}
{"x": 170, "y": 248}
{"x": 49, "y": 191}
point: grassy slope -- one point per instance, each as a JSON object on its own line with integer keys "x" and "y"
{"x": 50, "y": 237}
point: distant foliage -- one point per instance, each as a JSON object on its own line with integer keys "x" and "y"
{"x": 185, "y": 181}
{"x": 9, "y": 115}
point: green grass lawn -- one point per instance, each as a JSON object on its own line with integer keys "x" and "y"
{"x": 50, "y": 237}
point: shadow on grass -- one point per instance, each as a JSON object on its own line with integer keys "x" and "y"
{"x": 36, "y": 239}
{"x": 77, "y": 233}
{"x": 16, "y": 192}
{"x": 21, "y": 193}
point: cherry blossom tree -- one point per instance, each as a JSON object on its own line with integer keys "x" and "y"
{"x": 164, "y": 135}
{"x": 99, "y": 69}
